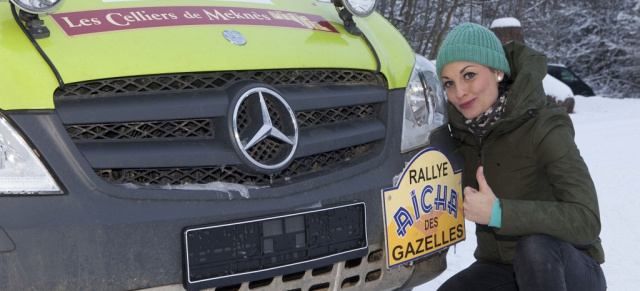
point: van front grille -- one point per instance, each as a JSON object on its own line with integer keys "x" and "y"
{"x": 175, "y": 129}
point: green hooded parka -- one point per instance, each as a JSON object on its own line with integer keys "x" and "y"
{"x": 533, "y": 166}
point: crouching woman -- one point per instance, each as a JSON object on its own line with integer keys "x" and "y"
{"x": 527, "y": 188}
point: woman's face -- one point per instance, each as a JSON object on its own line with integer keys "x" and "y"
{"x": 471, "y": 87}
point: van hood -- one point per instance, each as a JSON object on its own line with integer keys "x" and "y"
{"x": 100, "y": 39}
{"x": 109, "y": 38}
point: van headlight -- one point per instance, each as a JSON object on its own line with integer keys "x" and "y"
{"x": 424, "y": 108}
{"x": 37, "y": 6}
{"x": 361, "y": 8}
{"x": 21, "y": 172}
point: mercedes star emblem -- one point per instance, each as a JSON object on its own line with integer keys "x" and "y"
{"x": 265, "y": 129}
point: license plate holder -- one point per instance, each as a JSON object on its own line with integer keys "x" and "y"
{"x": 232, "y": 253}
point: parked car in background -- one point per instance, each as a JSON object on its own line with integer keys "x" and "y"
{"x": 562, "y": 73}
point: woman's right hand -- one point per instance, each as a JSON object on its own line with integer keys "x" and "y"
{"x": 478, "y": 204}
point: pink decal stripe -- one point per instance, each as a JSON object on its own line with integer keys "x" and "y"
{"x": 94, "y": 21}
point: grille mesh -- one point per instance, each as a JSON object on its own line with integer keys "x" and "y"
{"x": 316, "y": 117}
{"x": 202, "y": 128}
{"x": 265, "y": 151}
{"x": 192, "y": 128}
{"x": 232, "y": 174}
{"x": 213, "y": 80}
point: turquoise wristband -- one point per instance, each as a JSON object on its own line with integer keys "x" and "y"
{"x": 496, "y": 215}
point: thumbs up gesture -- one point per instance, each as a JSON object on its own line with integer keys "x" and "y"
{"x": 478, "y": 204}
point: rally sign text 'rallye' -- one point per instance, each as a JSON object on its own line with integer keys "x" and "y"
{"x": 423, "y": 212}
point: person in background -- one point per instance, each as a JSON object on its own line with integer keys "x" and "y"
{"x": 526, "y": 186}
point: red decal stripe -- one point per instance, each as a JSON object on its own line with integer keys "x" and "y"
{"x": 94, "y": 21}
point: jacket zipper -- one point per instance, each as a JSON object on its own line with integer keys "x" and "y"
{"x": 480, "y": 145}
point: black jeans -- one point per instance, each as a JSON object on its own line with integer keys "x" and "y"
{"x": 541, "y": 262}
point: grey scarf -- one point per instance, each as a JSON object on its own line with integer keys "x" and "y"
{"x": 480, "y": 124}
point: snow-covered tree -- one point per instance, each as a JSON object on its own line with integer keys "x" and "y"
{"x": 598, "y": 40}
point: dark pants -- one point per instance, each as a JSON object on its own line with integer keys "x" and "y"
{"x": 540, "y": 263}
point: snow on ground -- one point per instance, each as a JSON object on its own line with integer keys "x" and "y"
{"x": 608, "y": 137}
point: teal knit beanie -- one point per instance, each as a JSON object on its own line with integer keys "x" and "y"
{"x": 472, "y": 43}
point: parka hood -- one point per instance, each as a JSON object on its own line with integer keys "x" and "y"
{"x": 528, "y": 68}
